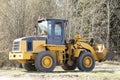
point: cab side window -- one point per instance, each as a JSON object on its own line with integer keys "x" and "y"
{"x": 58, "y": 26}
{"x": 49, "y": 28}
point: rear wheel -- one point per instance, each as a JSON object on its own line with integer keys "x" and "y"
{"x": 85, "y": 62}
{"x": 29, "y": 66}
{"x": 45, "y": 61}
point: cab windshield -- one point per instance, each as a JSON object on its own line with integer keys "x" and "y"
{"x": 42, "y": 28}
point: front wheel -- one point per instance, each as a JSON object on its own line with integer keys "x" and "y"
{"x": 86, "y": 62}
{"x": 45, "y": 61}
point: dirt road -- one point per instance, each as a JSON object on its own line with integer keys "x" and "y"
{"x": 102, "y": 71}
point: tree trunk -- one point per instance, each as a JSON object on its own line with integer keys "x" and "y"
{"x": 108, "y": 27}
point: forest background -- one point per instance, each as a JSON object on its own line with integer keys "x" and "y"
{"x": 97, "y": 18}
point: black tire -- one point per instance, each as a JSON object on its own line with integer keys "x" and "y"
{"x": 39, "y": 64}
{"x": 83, "y": 66}
{"x": 29, "y": 66}
{"x": 67, "y": 67}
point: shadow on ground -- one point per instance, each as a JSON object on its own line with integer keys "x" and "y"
{"x": 75, "y": 71}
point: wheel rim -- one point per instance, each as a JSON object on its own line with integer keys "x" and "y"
{"x": 87, "y": 61}
{"x": 47, "y": 62}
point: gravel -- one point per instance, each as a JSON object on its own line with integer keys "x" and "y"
{"x": 102, "y": 71}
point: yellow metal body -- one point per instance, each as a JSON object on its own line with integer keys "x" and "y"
{"x": 90, "y": 48}
{"x": 59, "y": 51}
{"x": 47, "y": 62}
{"x": 87, "y": 61}
{"x": 98, "y": 50}
{"x": 22, "y": 55}
{"x": 39, "y": 45}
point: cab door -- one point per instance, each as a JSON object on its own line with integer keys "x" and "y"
{"x": 58, "y": 37}
{"x": 56, "y": 32}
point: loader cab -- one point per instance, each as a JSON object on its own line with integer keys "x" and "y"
{"x": 52, "y": 29}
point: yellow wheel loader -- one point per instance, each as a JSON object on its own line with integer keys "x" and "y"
{"x": 49, "y": 48}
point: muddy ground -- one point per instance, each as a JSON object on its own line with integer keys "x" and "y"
{"x": 102, "y": 71}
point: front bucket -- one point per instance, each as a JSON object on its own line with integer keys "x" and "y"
{"x": 102, "y": 54}
{"x": 110, "y": 55}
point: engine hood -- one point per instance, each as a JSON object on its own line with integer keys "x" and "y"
{"x": 29, "y": 39}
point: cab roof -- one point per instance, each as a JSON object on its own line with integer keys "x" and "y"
{"x": 54, "y": 19}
